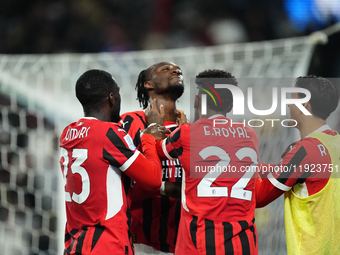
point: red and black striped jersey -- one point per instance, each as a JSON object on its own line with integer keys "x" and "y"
{"x": 155, "y": 218}
{"x": 218, "y": 199}
{"x": 97, "y": 160}
{"x": 305, "y": 163}
{"x": 198, "y": 236}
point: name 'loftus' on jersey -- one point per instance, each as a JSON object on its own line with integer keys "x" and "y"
{"x": 234, "y": 132}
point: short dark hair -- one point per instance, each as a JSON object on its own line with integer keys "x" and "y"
{"x": 324, "y": 95}
{"x": 93, "y": 87}
{"x": 206, "y": 77}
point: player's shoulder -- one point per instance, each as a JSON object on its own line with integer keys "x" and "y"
{"x": 249, "y": 129}
{"x": 309, "y": 143}
{"x": 182, "y": 130}
{"x": 185, "y": 126}
{"x": 136, "y": 118}
{"x": 297, "y": 147}
{"x": 201, "y": 122}
{"x": 111, "y": 126}
{"x": 114, "y": 132}
{"x": 134, "y": 114}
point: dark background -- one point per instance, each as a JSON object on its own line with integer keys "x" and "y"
{"x": 91, "y": 26}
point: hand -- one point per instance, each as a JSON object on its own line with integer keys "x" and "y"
{"x": 181, "y": 118}
{"x": 157, "y": 131}
{"x": 173, "y": 189}
{"x": 153, "y": 115}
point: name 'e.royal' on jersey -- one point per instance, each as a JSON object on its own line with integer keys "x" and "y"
{"x": 97, "y": 160}
{"x": 218, "y": 202}
{"x": 155, "y": 217}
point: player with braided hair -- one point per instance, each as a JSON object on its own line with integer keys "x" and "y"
{"x": 142, "y": 94}
{"x": 155, "y": 216}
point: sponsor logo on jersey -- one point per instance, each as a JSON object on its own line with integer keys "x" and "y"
{"x": 129, "y": 142}
{"x": 123, "y": 123}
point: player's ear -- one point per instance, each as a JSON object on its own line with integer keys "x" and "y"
{"x": 148, "y": 85}
{"x": 230, "y": 107}
{"x": 111, "y": 99}
{"x": 308, "y": 106}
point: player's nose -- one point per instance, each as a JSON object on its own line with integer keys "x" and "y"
{"x": 177, "y": 70}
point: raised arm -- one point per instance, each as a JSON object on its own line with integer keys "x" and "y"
{"x": 145, "y": 169}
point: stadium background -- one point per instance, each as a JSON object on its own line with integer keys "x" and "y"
{"x": 46, "y": 45}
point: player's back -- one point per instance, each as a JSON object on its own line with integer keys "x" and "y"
{"x": 218, "y": 199}
{"x": 96, "y": 205}
{"x": 220, "y": 184}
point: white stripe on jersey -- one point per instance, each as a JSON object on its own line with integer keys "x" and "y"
{"x": 276, "y": 183}
{"x": 184, "y": 202}
{"x": 171, "y": 126}
{"x": 114, "y": 191}
{"x": 128, "y": 162}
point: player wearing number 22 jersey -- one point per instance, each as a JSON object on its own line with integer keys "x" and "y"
{"x": 218, "y": 198}
{"x": 98, "y": 159}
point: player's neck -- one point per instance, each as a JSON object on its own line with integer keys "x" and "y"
{"x": 309, "y": 125}
{"x": 213, "y": 113}
{"x": 169, "y": 108}
{"x": 99, "y": 115}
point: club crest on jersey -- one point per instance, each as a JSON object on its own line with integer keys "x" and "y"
{"x": 129, "y": 142}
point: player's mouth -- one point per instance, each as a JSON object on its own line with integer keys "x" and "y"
{"x": 179, "y": 77}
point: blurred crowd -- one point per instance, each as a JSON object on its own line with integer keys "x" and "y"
{"x": 57, "y": 26}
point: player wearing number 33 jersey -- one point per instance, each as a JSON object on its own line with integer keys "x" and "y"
{"x": 218, "y": 202}
{"x": 97, "y": 160}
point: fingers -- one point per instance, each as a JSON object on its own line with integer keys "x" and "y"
{"x": 157, "y": 131}
{"x": 154, "y": 103}
{"x": 163, "y": 129}
{"x": 181, "y": 117}
{"x": 162, "y": 111}
{"x": 148, "y": 109}
{"x": 153, "y": 107}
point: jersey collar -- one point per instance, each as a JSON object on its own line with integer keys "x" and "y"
{"x": 169, "y": 124}
{"x": 320, "y": 129}
{"x": 216, "y": 115}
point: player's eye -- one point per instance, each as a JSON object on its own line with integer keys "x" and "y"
{"x": 165, "y": 69}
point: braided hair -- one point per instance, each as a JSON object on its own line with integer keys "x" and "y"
{"x": 142, "y": 93}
